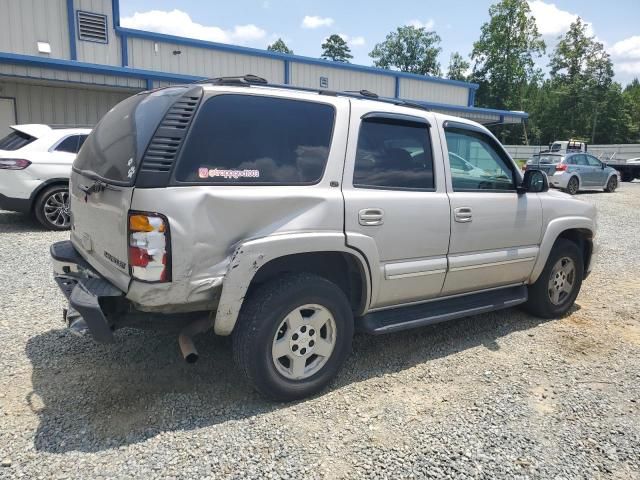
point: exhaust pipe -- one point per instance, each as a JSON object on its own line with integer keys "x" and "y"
{"x": 185, "y": 339}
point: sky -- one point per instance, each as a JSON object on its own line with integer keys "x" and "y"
{"x": 305, "y": 24}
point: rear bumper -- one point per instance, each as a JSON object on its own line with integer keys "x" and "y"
{"x": 559, "y": 180}
{"x": 13, "y": 204}
{"x": 85, "y": 289}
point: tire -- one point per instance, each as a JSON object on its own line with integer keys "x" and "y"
{"x": 540, "y": 301}
{"x": 573, "y": 186}
{"x": 627, "y": 176}
{"x": 51, "y": 208}
{"x": 268, "y": 317}
{"x": 612, "y": 184}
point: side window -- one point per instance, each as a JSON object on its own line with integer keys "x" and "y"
{"x": 70, "y": 144}
{"x": 580, "y": 160}
{"x": 489, "y": 169}
{"x": 570, "y": 160}
{"x": 593, "y": 161}
{"x": 241, "y": 139}
{"x": 393, "y": 154}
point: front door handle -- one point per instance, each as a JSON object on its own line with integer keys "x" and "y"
{"x": 371, "y": 216}
{"x": 462, "y": 214}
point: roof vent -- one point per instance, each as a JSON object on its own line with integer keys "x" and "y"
{"x": 92, "y": 27}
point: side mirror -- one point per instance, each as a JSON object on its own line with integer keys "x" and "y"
{"x": 534, "y": 181}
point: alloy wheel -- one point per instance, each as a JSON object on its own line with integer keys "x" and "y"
{"x": 304, "y": 342}
{"x": 562, "y": 280}
{"x": 56, "y": 209}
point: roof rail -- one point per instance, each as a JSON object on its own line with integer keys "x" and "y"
{"x": 256, "y": 81}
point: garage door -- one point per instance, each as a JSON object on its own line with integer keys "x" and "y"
{"x": 7, "y": 115}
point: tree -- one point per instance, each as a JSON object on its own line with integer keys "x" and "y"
{"x": 582, "y": 71}
{"x": 504, "y": 55}
{"x": 409, "y": 49}
{"x": 336, "y": 49}
{"x": 458, "y": 67}
{"x": 280, "y": 46}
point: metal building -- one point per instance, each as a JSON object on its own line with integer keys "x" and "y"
{"x": 70, "y": 61}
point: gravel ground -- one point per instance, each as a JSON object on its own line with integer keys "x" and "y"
{"x": 499, "y": 395}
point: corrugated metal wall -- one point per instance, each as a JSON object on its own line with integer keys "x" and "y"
{"x": 434, "y": 92}
{"x": 25, "y": 22}
{"x": 92, "y": 52}
{"x": 63, "y": 75}
{"x": 200, "y": 61}
{"x": 305, "y": 75}
{"x": 55, "y": 104}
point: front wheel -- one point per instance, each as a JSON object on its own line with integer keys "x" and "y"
{"x": 612, "y": 184}
{"x": 556, "y": 289}
{"x": 293, "y": 335}
{"x": 573, "y": 186}
{"x": 52, "y": 208}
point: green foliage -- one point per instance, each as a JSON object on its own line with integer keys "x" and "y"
{"x": 409, "y": 49}
{"x": 336, "y": 49}
{"x": 280, "y": 47}
{"x": 458, "y": 67}
{"x": 504, "y": 55}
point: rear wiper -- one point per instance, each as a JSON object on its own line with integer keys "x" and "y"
{"x": 96, "y": 187}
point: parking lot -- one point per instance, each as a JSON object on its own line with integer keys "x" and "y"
{"x": 502, "y": 394}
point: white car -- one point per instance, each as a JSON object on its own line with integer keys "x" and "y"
{"x": 35, "y": 165}
{"x": 460, "y": 166}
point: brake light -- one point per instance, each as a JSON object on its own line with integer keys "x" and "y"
{"x": 14, "y": 163}
{"x": 149, "y": 247}
{"x": 561, "y": 167}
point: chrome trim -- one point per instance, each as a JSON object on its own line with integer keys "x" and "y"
{"x": 415, "y": 274}
{"x": 492, "y": 264}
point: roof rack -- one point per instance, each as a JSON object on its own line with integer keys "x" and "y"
{"x": 254, "y": 80}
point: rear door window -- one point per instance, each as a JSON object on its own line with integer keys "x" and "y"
{"x": 394, "y": 155}
{"x": 247, "y": 139}
{"x": 71, "y": 144}
{"x": 15, "y": 141}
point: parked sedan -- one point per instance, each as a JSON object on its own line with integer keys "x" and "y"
{"x": 35, "y": 165}
{"x": 575, "y": 171}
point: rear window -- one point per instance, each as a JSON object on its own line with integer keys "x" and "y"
{"x": 246, "y": 139}
{"x": 15, "y": 141}
{"x": 113, "y": 150}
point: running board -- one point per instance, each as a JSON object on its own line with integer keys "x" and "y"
{"x": 403, "y": 318}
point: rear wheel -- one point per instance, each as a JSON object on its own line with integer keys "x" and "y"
{"x": 612, "y": 184}
{"x": 557, "y": 287}
{"x": 293, "y": 335}
{"x": 52, "y": 208}
{"x": 573, "y": 186}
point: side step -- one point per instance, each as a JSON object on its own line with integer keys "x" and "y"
{"x": 403, "y": 318}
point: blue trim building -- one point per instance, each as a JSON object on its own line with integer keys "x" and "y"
{"x": 51, "y": 66}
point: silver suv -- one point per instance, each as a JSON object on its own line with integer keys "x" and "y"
{"x": 573, "y": 172}
{"x": 289, "y": 218}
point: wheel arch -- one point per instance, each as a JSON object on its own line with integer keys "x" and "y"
{"x": 324, "y": 254}
{"x": 43, "y": 186}
{"x": 579, "y": 230}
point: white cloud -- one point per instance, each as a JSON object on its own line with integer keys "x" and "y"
{"x": 177, "y": 22}
{"x": 626, "y": 55}
{"x": 312, "y": 21}
{"x": 353, "y": 41}
{"x": 551, "y": 21}
{"x": 429, "y": 24}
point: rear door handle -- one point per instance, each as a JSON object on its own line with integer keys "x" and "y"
{"x": 371, "y": 216}
{"x": 462, "y": 214}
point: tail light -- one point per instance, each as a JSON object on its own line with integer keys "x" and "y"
{"x": 561, "y": 167}
{"x": 14, "y": 163}
{"x": 149, "y": 247}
